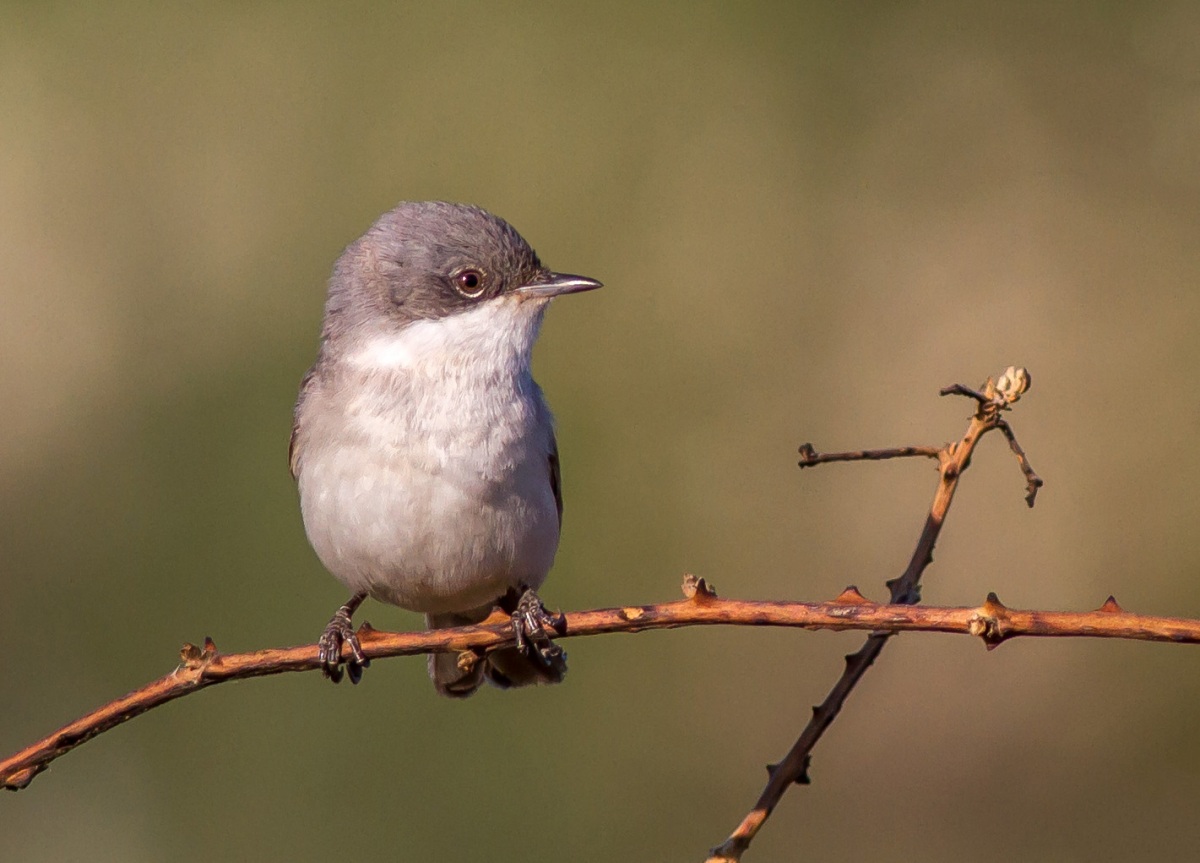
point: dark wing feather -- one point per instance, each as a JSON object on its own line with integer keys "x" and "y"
{"x": 293, "y": 444}
{"x": 556, "y": 476}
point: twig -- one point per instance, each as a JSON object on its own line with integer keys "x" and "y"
{"x": 1032, "y": 481}
{"x": 809, "y": 457}
{"x": 991, "y": 622}
{"x": 964, "y": 390}
{"x": 954, "y": 458}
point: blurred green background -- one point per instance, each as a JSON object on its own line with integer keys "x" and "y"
{"x": 809, "y": 218}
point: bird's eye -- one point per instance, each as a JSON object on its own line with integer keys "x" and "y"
{"x": 469, "y": 282}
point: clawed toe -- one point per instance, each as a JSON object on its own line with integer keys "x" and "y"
{"x": 532, "y": 625}
{"x": 339, "y": 632}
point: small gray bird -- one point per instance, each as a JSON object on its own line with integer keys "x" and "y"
{"x": 423, "y": 448}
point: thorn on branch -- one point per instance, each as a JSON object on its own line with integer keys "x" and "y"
{"x": 195, "y": 659}
{"x": 910, "y": 596}
{"x": 697, "y": 589}
{"x": 851, "y": 596}
{"x": 802, "y": 778}
{"x": 988, "y": 622}
{"x": 1111, "y": 606}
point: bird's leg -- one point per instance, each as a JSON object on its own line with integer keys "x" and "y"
{"x": 532, "y": 625}
{"x": 340, "y": 631}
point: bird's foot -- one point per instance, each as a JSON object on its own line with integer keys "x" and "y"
{"x": 533, "y": 626}
{"x": 340, "y": 631}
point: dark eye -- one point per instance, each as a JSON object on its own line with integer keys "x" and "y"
{"x": 469, "y": 282}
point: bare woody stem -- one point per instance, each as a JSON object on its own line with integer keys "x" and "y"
{"x": 1032, "y": 481}
{"x": 809, "y": 457}
{"x": 953, "y": 459}
{"x": 991, "y": 622}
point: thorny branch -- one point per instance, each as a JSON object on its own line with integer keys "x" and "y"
{"x": 954, "y": 458}
{"x": 991, "y": 622}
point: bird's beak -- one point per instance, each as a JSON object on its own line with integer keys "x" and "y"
{"x": 557, "y": 283}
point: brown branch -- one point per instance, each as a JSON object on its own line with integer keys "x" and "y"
{"x": 809, "y": 457}
{"x": 991, "y": 622}
{"x": 964, "y": 390}
{"x": 1032, "y": 481}
{"x": 954, "y": 458}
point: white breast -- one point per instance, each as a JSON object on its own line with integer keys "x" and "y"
{"x": 424, "y": 475}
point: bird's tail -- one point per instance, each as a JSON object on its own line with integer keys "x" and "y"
{"x": 503, "y": 668}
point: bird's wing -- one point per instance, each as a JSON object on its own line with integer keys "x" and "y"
{"x": 556, "y": 476}
{"x": 294, "y": 443}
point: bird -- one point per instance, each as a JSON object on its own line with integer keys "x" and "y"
{"x": 423, "y": 450}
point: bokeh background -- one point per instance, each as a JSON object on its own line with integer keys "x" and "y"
{"x": 809, "y": 218}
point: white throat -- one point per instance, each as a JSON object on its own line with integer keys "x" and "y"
{"x": 495, "y": 337}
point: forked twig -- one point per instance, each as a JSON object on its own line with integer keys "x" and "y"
{"x": 954, "y": 458}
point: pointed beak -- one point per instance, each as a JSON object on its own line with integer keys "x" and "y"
{"x": 555, "y": 284}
